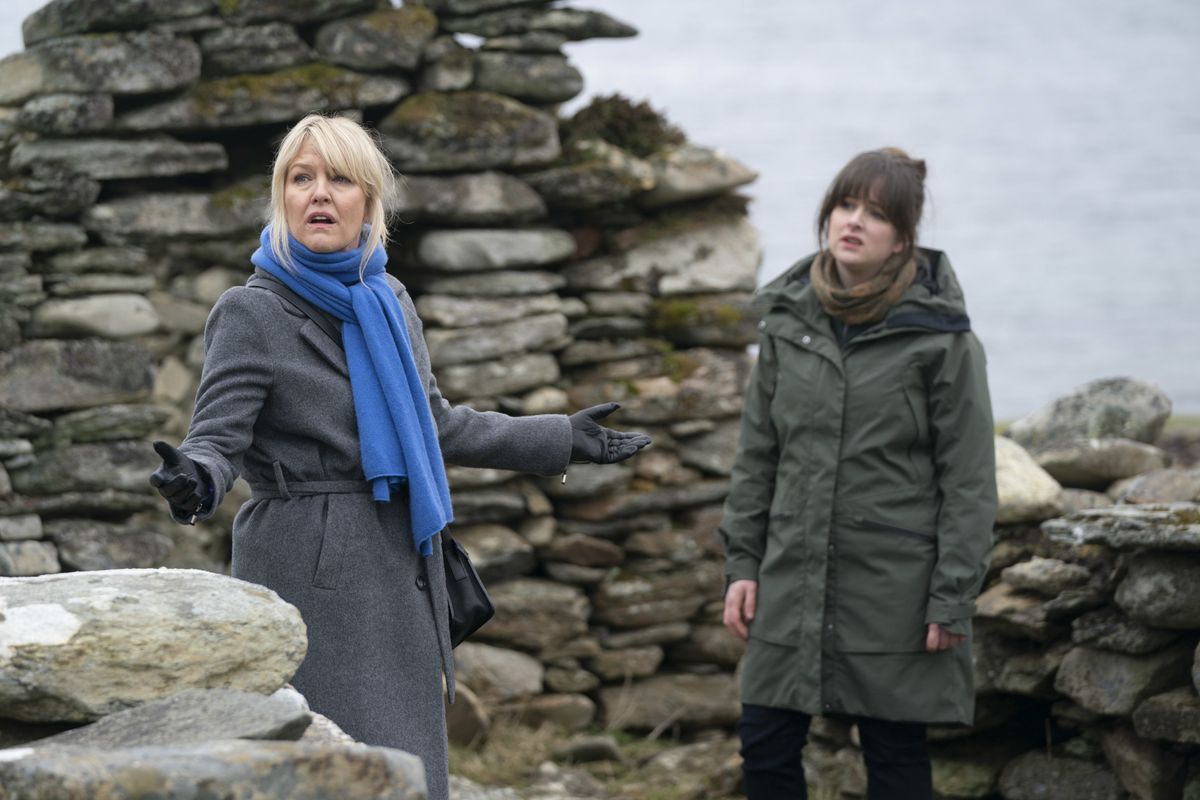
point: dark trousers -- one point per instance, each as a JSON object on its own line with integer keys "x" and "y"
{"x": 895, "y": 753}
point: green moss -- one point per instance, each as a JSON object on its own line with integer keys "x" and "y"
{"x": 1185, "y": 516}
{"x": 678, "y": 366}
{"x": 680, "y": 313}
{"x": 239, "y": 195}
{"x": 332, "y": 82}
{"x": 634, "y": 127}
{"x": 409, "y": 22}
{"x": 228, "y": 7}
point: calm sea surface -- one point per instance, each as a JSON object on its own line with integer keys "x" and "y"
{"x": 1062, "y": 138}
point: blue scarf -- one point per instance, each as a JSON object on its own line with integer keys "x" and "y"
{"x": 395, "y": 427}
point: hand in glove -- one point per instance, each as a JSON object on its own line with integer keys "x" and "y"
{"x": 592, "y": 442}
{"x": 180, "y": 481}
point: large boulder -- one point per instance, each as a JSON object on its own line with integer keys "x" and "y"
{"x": 1162, "y": 591}
{"x": 630, "y": 600}
{"x": 50, "y": 375}
{"x": 534, "y": 614}
{"x": 67, "y": 113}
{"x": 484, "y": 342}
{"x": 575, "y": 24}
{"x": 253, "y": 48}
{"x": 482, "y": 249}
{"x": 78, "y": 646}
{"x": 690, "y": 701}
{"x": 1110, "y": 407}
{"x": 122, "y": 465}
{"x": 1027, "y": 493}
{"x": 497, "y": 674}
{"x": 1147, "y": 770}
{"x": 172, "y": 215}
{"x": 538, "y": 78}
{"x": 690, "y": 172}
{"x": 64, "y": 17}
{"x": 112, "y": 316}
{"x": 1096, "y": 463}
{"x": 296, "y": 770}
{"x": 1038, "y": 776}
{"x": 390, "y": 38}
{"x": 108, "y": 159}
{"x": 1166, "y": 526}
{"x": 468, "y": 130}
{"x": 131, "y": 63}
{"x": 1114, "y": 683}
{"x": 1173, "y": 716}
{"x": 482, "y": 198}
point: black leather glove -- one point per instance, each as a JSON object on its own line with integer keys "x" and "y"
{"x": 180, "y": 481}
{"x": 595, "y": 444}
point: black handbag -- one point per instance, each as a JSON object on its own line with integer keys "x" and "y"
{"x": 470, "y": 606}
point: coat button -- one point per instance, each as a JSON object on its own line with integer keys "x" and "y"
{"x": 422, "y": 584}
{"x": 806, "y": 339}
{"x": 762, "y": 325}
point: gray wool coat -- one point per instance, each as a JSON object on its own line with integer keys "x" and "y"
{"x": 274, "y": 405}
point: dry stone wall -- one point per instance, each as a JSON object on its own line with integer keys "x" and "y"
{"x": 556, "y": 263}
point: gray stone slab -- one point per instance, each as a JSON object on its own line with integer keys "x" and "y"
{"x": 50, "y": 375}
{"x": 391, "y": 38}
{"x": 107, "y": 159}
{"x": 64, "y": 17}
{"x": 253, "y": 49}
{"x": 1157, "y": 526}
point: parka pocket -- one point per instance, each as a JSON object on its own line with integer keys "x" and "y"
{"x": 333, "y": 547}
{"x": 883, "y": 573}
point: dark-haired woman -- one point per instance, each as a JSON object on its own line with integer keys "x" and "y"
{"x": 859, "y": 520}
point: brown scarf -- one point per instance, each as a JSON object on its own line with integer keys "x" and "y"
{"x": 863, "y": 302}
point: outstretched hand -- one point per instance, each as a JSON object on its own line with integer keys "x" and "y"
{"x": 178, "y": 480}
{"x": 593, "y": 443}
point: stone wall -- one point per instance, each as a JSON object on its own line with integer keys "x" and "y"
{"x": 556, "y": 263}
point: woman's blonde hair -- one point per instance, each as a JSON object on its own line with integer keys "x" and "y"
{"x": 350, "y": 150}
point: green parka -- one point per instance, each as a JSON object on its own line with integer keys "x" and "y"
{"x": 862, "y": 502}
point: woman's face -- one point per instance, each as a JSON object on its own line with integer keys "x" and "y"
{"x": 860, "y": 237}
{"x": 325, "y": 211}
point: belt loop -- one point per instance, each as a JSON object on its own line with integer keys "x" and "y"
{"x": 280, "y": 482}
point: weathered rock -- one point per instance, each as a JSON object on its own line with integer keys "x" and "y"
{"x": 689, "y": 701}
{"x": 20, "y": 528}
{"x": 719, "y": 258}
{"x": 178, "y": 314}
{"x": 570, "y": 679}
{"x": 463, "y": 345}
{"x": 1037, "y": 776}
{"x": 73, "y": 285}
{"x": 1145, "y": 769}
{"x": 496, "y": 674}
{"x": 575, "y": 24}
{"x": 296, "y": 770}
{"x": 449, "y": 66}
{"x": 533, "y": 77}
{"x": 253, "y": 48}
{"x": 708, "y": 644}
{"x": 626, "y": 664}
{"x": 1167, "y": 526}
{"x": 535, "y": 614}
{"x": 969, "y": 769}
{"x": 598, "y": 174}
{"x": 468, "y": 7}
{"x": 391, "y": 38}
{"x": 194, "y": 716}
{"x": 1017, "y": 613}
{"x": 239, "y": 11}
{"x": 583, "y": 551}
{"x": 713, "y": 451}
{"x": 570, "y": 712}
{"x": 156, "y": 217}
{"x": 85, "y": 544}
{"x": 690, "y": 172}
{"x": 495, "y": 284}
{"x": 488, "y": 505}
{"x": 100, "y": 259}
{"x": 588, "y": 749}
{"x": 1072, "y": 500}
{"x": 1171, "y": 485}
{"x": 40, "y": 237}
{"x": 476, "y": 250}
{"x": 633, "y": 503}
{"x": 1109, "y": 629}
{"x": 497, "y": 552}
{"x": 1106, "y": 408}
{"x": 1114, "y": 683}
{"x": 65, "y": 17}
{"x": 720, "y": 320}
{"x": 484, "y": 198}
{"x": 503, "y": 376}
{"x": 461, "y": 312}
{"x": 585, "y": 352}
{"x": 83, "y": 645}
{"x": 112, "y": 316}
{"x": 1015, "y": 666}
{"x": 20, "y": 559}
{"x": 1045, "y": 576}
{"x": 630, "y": 600}
{"x": 1096, "y": 463}
{"x": 1027, "y": 493}
{"x": 133, "y": 63}
{"x": 104, "y": 503}
{"x": 273, "y": 97}
{"x": 467, "y": 719}
{"x": 53, "y": 375}
{"x": 56, "y": 195}
{"x": 467, "y": 131}
{"x": 123, "y": 465}
{"x": 1173, "y": 716}
{"x": 107, "y": 159}
{"x": 1162, "y": 591}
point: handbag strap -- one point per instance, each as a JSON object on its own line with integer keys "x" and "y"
{"x": 326, "y": 322}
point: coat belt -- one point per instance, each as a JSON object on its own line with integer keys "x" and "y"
{"x": 281, "y": 489}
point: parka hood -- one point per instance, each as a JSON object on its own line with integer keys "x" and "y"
{"x": 934, "y": 302}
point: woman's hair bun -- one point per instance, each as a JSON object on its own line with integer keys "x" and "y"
{"x": 917, "y": 164}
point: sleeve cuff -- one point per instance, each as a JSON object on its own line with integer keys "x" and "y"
{"x": 946, "y": 614}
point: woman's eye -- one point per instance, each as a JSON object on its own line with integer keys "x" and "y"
{"x": 341, "y": 179}
{"x": 879, "y": 215}
{"x": 300, "y": 178}
{"x": 848, "y": 204}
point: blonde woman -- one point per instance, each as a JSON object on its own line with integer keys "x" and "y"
{"x": 325, "y": 402}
